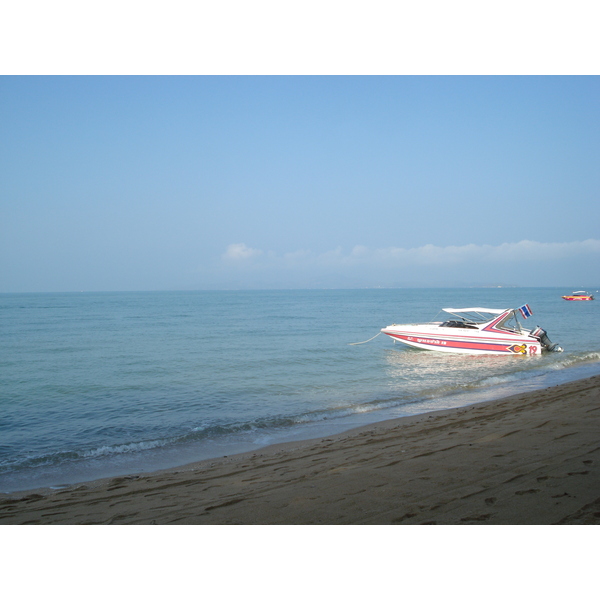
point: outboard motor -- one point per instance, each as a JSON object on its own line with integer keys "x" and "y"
{"x": 541, "y": 335}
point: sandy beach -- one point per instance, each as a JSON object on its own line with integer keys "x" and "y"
{"x": 532, "y": 458}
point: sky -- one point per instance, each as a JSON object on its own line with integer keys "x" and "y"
{"x": 127, "y": 183}
{"x": 276, "y": 163}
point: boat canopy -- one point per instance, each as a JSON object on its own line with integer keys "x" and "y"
{"x": 477, "y": 309}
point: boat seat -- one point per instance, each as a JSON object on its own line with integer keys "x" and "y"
{"x": 460, "y": 324}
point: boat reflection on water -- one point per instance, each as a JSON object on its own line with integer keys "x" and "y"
{"x": 438, "y": 376}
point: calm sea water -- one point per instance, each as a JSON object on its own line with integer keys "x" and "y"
{"x": 102, "y": 384}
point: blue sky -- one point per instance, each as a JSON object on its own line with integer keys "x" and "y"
{"x": 201, "y": 182}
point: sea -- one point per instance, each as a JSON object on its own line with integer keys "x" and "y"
{"x": 97, "y": 385}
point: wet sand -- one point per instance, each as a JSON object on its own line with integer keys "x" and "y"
{"x": 533, "y": 458}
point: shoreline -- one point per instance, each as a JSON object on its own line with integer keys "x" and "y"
{"x": 173, "y": 457}
{"x": 530, "y": 458}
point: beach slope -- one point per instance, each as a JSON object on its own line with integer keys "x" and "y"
{"x": 533, "y": 458}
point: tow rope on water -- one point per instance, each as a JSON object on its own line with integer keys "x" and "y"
{"x": 357, "y": 343}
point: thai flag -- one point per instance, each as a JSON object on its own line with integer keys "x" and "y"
{"x": 525, "y": 311}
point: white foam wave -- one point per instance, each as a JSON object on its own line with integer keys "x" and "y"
{"x": 123, "y": 448}
{"x": 571, "y": 360}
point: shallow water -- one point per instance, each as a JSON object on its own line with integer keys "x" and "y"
{"x": 100, "y": 384}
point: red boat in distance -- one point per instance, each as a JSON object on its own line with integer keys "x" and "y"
{"x": 579, "y": 296}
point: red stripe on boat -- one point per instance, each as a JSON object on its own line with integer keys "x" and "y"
{"x": 446, "y": 343}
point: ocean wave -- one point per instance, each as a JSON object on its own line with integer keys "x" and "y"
{"x": 500, "y": 379}
{"x": 254, "y": 428}
{"x": 573, "y": 360}
{"x": 69, "y": 456}
{"x": 123, "y": 448}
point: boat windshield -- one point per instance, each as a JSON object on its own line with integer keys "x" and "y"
{"x": 460, "y": 323}
{"x": 475, "y": 317}
{"x": 510, "y": 323}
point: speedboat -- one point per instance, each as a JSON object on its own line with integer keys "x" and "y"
{"x": 581, "y": 295}
{"x": 476, "y": 330}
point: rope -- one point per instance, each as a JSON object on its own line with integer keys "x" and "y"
{"x": 357, "y": 343}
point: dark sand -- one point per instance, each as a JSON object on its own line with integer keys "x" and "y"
{"x": 533, "y": 458}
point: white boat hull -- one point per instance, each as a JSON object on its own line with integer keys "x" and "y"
{"x": 462, "y": 341}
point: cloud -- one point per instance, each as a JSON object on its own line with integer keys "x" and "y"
{"x": 527, "y": 250}
{"x": 428, "y": 255}
{"x": 431, "y": 255}
{"x": 521, "y": 263}
{"x": 523, "y": 251}
{"x": 240, "y": 252}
